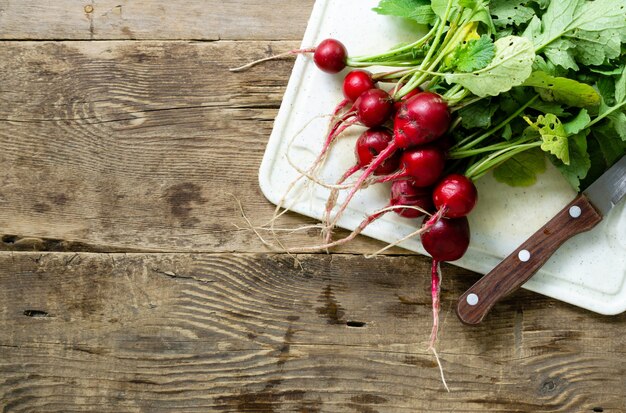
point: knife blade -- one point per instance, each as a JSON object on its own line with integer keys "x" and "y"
{"x": 580, "y": 215}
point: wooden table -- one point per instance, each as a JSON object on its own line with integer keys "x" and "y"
{"x": 127, "y": 287}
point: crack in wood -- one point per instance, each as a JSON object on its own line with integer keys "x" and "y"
{"x": 20, "y": 243}
{"x": 273, "y": 106}
{"x": 37, "y": 314}
{"x": 172, "y": 274}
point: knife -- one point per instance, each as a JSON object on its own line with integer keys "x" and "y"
{"x": 580, "y": 215}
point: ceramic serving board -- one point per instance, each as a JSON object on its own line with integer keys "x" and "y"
{"x": 589, "y": 271}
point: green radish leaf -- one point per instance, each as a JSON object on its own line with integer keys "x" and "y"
{"x": 474, "y": 55}
{"x": 620, "y": 87}
{"x": 511, "y": 65}
{"x": 616, "y": 71}
{"x": 580, "y": 162}
{"x": 564, "y": 90}
{"x": 611, "y": 146}
{"x": 586, "y": 44}
{"x": 507, "y": 133}
{"x": 542, "y": 4}
{"x": 553, "y": 135}
{"x": 614, "y": 103}
{"x": 417, "y": 10}
{"x": 580, "y": 122}
{"x": 522, "y": 169}
{"x": 542, "y": 65}
{"x": 593, "y": 30}
{"x": 471, "y": 10}
{"x": 560, "y": 54}
{"x": 618, "y": 122}
{"x": 549, "y": 107}
{"x": 478, "y": 11}
{"x": 510, "y": 12}
{"x": 598, "y": 163}
{"x": 477, "y": 115}
{"x": 439, "y": 7}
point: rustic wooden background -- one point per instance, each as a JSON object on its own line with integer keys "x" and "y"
{"x": 126, "y": 287}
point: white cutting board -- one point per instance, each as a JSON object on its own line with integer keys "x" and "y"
{"x": 589, "y": 271}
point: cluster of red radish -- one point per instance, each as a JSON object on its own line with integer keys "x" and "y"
{"x": 405, "y": 144}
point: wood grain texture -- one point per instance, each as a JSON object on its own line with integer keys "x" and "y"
{"x": 139, "y": 145}
{"x": 153, "y": 19}
{"x": 512, "y": 272}
{"x": 113, "y": 146}
{"x": 245, "y": 332}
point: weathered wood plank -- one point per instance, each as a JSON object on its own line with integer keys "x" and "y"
{"x": 245, "y": 332}
{"x": 138, "y": 145}
{"x": 153, "y": 19}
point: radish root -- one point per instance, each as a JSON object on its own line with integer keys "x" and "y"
{"x": 443, "y": 377}
{"x": 425, "y": 227}
{"x": 435, "y": 291}
{"x": 281, "y": 202}
{"x": 266, "y": 243}
{"x": 368, "y": 220}
{"x": 274, "y": 57}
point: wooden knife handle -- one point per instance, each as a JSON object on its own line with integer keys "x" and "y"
{"x": 579, "y": 216}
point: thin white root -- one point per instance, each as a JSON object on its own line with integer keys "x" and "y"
{"x": 280, "y": 204}
{"x": 313, "y": 178}
{"x": 443, "y": 377}
{"x": 368, "y": 220}
{"x": 245, "y": 217}
{"x": 310, "y": 173}
{"x": 395, "y": 207}
{"x": 275, "y": 57}
{"x": 266, "y": 243}
{"x": 395, "y": 243}
{"x": 327, "y": 232}
{"x": 288, "y": 230}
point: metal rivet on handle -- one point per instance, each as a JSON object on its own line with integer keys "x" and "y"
{"x": 523, "y": 255}
{"x": 575, "y": 211}
{"x": 472, "y": 299}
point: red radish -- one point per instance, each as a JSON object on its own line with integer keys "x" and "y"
{"x": 330, "y": 56}
{"x": 456, "y": 194}
{"x": 447, "y": 239}
{"x": 429, "y": 129}
{"x": 369, "y": 144}
{"x": 373, "y": 107}
{"x": 421, "y": 119}
{"x": 404, "y": 192}
{"x": 423, "y": 165}
{"x": 356, "y": 82}
{"x": 398, "y": 103}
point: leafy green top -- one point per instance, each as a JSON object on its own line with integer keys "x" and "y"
{"x": 418, "y": 10}
{"x": 529, "y": 77}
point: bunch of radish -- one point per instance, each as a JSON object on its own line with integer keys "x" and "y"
{"x": 405, "y": 144}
